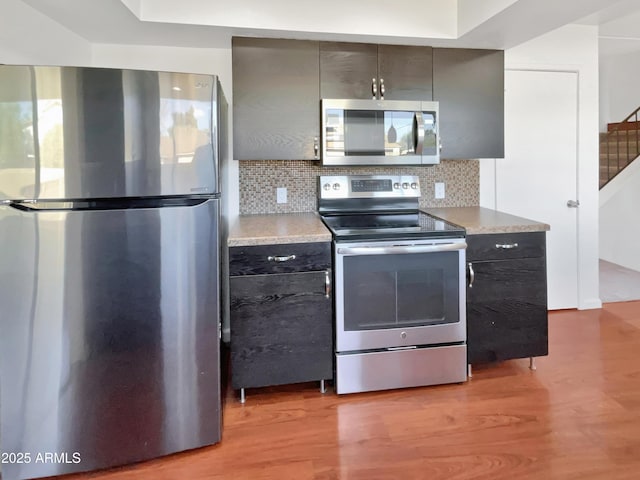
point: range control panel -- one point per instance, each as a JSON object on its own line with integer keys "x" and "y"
{"x": 368, "y": 186}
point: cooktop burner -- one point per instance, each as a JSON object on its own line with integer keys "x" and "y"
{"x": 377, "y": 207}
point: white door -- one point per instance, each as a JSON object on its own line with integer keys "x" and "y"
{"x": 539, "y": 172}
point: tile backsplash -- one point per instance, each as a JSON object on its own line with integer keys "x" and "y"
{"x": 260, "y": 178}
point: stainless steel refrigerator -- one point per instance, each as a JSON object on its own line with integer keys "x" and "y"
{"x": 110, "y": 236}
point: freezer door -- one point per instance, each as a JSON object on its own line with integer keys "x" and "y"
{"x": 71, "y": 133}
{"x": 109, "y": 345}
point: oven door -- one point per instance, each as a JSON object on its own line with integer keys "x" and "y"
{"x": 400, "y": 294}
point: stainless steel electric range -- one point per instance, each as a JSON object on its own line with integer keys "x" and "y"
{"x": 400, "y": 285}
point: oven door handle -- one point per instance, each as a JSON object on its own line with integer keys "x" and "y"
{"x": 402, "y": 249}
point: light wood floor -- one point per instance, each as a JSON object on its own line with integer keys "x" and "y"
{"x": 576, "y": 417}
{"x": 618, "y": 283}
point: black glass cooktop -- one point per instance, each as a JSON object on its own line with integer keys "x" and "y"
{"x": 379, "y": 226}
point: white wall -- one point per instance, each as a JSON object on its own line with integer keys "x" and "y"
{"x": 215, "y": 61}
{"x": 29, "y": 37}
{"x": 570, "y": 48}
{"x": 619, "y": 92}
{"x": 620, "y": 218}
{"x": 472, "y": 13}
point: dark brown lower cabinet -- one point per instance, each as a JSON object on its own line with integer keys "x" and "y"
{"x": 281, "y": 324}
{"x": 507, "y": 297}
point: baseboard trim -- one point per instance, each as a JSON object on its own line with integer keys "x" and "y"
{"x": 590, "y": 304}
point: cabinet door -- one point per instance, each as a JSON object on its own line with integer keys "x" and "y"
{"x": 406, "y": 72}
{"x": 281, "y": 329}
{"x": 507, "y": 310}
{"x": 469, "y": 84}
{"x": 347, "y": 69}
{"x": 276, "y": 112}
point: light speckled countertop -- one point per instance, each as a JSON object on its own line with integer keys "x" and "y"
{"x": 477, "y": 220}
{"x": 278, "y": 229}
{"x": 307, "y": 227}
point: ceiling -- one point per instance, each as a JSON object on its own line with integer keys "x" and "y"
{"x": 619, "y": 27}
{"x": 457, "y": 23}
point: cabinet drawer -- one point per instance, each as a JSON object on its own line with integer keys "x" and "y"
{"x": 281, "y": 258}
{"x": 502, "y": 246}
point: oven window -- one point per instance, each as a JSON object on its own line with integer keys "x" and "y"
{"x": 392, "y": 291}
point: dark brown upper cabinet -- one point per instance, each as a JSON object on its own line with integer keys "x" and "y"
{"x": 278, "y": 84}
{"x": 361, "y": 70}
{"x": 276, "y": 108}
{"x": 469, "y": 86}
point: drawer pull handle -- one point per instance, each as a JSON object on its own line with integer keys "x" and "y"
{"x": 472, "y": 275}
{"x": 327, "y": 284}
{"x": 277, "y": 258}
{"x": 506, "y": 246}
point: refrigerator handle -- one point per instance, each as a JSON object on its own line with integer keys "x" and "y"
{"x": 19, "y": 205}
{"x": 13, "y": 203}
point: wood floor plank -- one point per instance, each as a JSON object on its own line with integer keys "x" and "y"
{"x": 576, "y": 417}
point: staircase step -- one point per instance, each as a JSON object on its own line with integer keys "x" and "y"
{"x": 631, "y": 143}
{"x": 613, "y": 154}
{"x": 613, "y": 158}
{"x": 613, "y": 162}
{"x": 605, "y": 177}
{"x": 621, "y": 139}
{"x": 611, "y": 171}
{"x": 623, "y": 162}
{"x": 623, "y": 132}
{"x": 622, "y": 152}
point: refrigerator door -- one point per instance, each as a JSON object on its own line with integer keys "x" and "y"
{"x": 109, "y": 352}
{"x": 71, "y": 133}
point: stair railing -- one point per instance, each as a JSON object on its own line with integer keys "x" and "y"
{"x": 631, "y": 128}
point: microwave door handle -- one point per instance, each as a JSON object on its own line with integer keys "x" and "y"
{"x": 418, "y": 134}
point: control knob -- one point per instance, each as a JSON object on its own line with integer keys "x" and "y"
{"x": 327, "y": 186}
{"x": 336, "y": 186}
{"x": 396, "y": 186}
{"x": 414, "y": 185}
{"x": 405, "y": 185}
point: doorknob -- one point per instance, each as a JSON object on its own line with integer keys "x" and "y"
{"x": 573, "y": 203}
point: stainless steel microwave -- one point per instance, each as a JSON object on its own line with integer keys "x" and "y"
{"x": 380, "y": 132}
